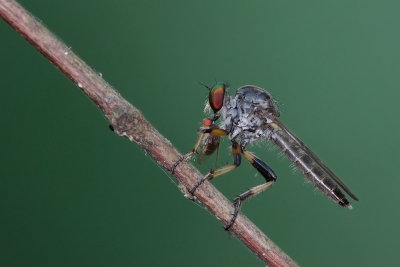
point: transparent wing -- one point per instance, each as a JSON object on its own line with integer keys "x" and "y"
{"x": 316, "y": 159}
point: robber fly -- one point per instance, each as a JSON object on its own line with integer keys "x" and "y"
{"x": 251, "y": 114}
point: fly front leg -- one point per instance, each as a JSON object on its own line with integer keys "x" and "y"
{"x": 236, "y": 151}
{"x": 190, "y": 154}
{"x": 207, "y": 128}
{"x": 270, "y": 178}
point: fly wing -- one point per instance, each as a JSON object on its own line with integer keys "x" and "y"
{"x": 316, "y": 159}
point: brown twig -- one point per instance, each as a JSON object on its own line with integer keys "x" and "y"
{"x": 127, "y": 121}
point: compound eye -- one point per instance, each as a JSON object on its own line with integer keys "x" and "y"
{"x": 216, "y": 97}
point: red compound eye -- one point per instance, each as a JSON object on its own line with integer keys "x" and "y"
{"x": 216, "y": 97}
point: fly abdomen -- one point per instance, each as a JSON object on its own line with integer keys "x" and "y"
{"x": 296, "y": 151}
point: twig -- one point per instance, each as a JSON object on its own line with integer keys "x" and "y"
{"x": 127, "y": 121}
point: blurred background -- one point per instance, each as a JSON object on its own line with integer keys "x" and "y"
{"x": 72, "y": 193}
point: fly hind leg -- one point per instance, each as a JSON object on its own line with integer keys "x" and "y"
{"x": 270, "y": 178}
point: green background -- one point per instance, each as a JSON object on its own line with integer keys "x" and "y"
{"x": 72, "y": 193}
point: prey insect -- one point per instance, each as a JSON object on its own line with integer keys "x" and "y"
{"x": 251, "y": 114}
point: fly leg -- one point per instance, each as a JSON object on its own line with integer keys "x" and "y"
{"x": 270, "y": 178}
{"x": 203, "y": 134}
{"x": 236, "y": 151}
{"x": 190, "y": 154}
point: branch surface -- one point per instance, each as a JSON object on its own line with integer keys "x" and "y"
{"x": 128, "y": 121}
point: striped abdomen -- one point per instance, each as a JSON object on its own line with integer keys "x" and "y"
{"x": 309, "y": 164}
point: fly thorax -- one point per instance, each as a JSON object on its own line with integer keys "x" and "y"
{"x": 228, "y": 114}
{"x": 255, "y": 109}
